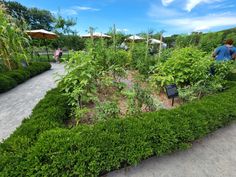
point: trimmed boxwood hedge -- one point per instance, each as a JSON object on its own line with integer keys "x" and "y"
{"x": 10, "y": 79}
{"x": 42, "y": 146}
{"x": 48, "y": 114}
{"x": 232, "y": 77}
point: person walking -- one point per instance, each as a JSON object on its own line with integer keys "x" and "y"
{"x": 225, "y": 52}
{"x": 57, "y": 55}
{"x": 60, "y": 54}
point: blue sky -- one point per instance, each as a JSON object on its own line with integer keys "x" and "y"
{"x": 134, "y": 16}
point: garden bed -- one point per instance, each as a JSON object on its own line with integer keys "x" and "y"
{"x": 127, "y": 95}
{"x": 43, "y": 146}
{"x": 11, "y": 79}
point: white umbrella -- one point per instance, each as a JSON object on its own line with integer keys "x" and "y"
{"x": 95, "y": 35}
{"x": 155, "y": 41}
{"x": 135, "y": 38}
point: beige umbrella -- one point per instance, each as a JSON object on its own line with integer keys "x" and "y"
{"x": 95, "y": 35}
{"x": 42, "y": 34}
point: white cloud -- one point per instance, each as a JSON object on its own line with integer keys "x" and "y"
{"x": 160, "y": 12}
{"x": 75, "y": 10}
{"x": 122, "y": 30}
{"x": 204, "y": 22}
{"x": 84, "y": 8}
{"x": 166, "y": 2}
{"x": 193, "y": 3}
{"x": 222, "y": 6}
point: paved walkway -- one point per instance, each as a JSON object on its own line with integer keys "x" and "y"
{"x": 213, "y": 156}
{"x": 18, "y": 103}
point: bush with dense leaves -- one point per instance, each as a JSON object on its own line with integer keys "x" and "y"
{"x": 10, "y": 79}
{"x": 185, "y": 66}
{"x": 195, "y": 73}
{"x": 6, "y": 83}
{"x": 50, "y": 113}
{"x": 41, "y": 146}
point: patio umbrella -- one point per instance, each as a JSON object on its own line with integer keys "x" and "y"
{"x": 95, "y": 35}
{"x": 134, "y": 38}
{"x": 155, "y": 41}
{"x": 42, "y": 34}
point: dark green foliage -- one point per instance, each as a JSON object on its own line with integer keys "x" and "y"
{"x": 69, "y": 42}
{"x": 94, "y": 150}
{"x": 232, "y": 77}
{"x": 10, "y": 79}
{"x": 210, "y": 41}
{"x": 49, "y": 113}
{"x": 38, "y": 67}
{"x": 142, "y": 60}
{"x": 17, "y": 76}
{"x": 6, "y": 83}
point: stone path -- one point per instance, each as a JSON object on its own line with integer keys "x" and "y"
{"x": 212, "y": 156}
{"x": 18, "y": 103}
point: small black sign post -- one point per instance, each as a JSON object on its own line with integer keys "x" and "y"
{"x": 172, "y": 92}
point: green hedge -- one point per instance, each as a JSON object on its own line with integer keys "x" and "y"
{"x": 49, "y": 113}
{"x": 232, "y": 77}
{"x": 43, "y": 147}
{"x": 10, "y": 79}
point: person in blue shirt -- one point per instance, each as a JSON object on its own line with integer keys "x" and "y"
{"x": 225, "y": 52}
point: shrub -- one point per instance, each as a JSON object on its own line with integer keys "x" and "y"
{"x": 17, "y": 76}
{"x": 10, "y": 79}
{"x": 185, "y": 66}
{"x": 195, "y": 73}
{"x": 6, "y": 83}
{"x": 232, "y": 77}
{"x": 94, "y": 150}
{"x": 49, "y": 113}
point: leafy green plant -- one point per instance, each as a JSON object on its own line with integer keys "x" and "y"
{"x": 107, "y": 110}
{"x": 13, "y": 40}
{"x": 139, "y": 98}
{"x": 186, "y": 66}
{"x": 79, "y": 113}
{"x": 79, "y": 83}
{"x": 190, "y": 69}
{"x": 208, "y": 42}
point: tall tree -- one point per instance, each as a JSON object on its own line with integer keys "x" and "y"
{"x": 40, "y": 19}
{"x": 16, "y": 10}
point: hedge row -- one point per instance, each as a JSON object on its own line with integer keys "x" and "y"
{"x": 98, "y": 149}
{"x": 10, "y": 79}
{"x": 49, "y": 113}
{"x": 232, "y": 77}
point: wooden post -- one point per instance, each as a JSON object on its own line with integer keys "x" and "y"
{"x": 91, "y": 31}
{"x": 146, "y": 54}
{"x": 173, "y": 100}
{"x": 114, "y": 37}
{"x": 160, "y": 47}
{"x": 46, "y": 47}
